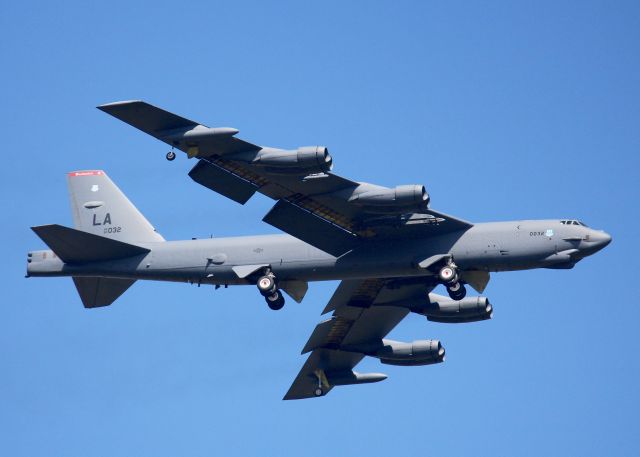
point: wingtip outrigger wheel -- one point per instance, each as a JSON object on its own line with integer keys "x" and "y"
{"x": 171, "y": 155}
{"x": 322, "y": 381}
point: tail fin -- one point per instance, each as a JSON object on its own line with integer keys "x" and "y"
{"x": 108, "y": 228}
{"x": 100, "y": 208}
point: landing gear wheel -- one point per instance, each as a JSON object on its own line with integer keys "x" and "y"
{"x": 448, "y": 274}
{"x": 275, "y": 301}
{"x": 266, "y": 285}
{"x": 318, "y": 392}
{"x": 171, "y": 155}
{"x": 457, "y": 291}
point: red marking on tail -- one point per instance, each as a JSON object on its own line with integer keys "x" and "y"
{"x": 86, "y": 173}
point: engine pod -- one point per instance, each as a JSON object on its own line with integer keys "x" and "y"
{"x": 408, "y": 197}
{"x": 303, "y": 161}
{"x": 419, "y": 352}
{"x": 470, "y": 309}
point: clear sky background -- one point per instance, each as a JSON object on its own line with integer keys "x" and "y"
{"x": 504, "y": 110}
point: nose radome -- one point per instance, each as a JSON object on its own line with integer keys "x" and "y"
{"x": 602, "y": 238}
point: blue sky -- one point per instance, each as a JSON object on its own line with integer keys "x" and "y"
{"x": 504, "y": 110}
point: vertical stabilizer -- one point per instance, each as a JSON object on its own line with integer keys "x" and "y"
{"x": 100, "y": 207}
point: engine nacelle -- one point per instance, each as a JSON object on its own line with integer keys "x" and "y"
{"x": 406, "y": 197}
{"x": 305, "y": 160}
{"x": 420, "y": 352}
{"x": 470, "y": 309}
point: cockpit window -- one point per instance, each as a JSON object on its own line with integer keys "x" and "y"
{"x": 573, "y": 223}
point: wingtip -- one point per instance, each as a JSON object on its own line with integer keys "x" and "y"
{"x": 107, "y": 106}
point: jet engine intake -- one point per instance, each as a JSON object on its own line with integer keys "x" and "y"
{"x": 407, "y": 197}
{"x": 303, "y": 161}
{"x": 470, "y": 309}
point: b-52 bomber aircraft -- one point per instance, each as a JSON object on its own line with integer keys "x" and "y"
{"x": 387, "y": 246}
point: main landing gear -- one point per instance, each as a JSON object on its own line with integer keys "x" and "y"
{"x": 448, "y": 276}
{"x": 269, "y": 290}
{"x": 171, "y": 155}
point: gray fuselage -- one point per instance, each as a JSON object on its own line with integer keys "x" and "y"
{"x": 493, "y": 246}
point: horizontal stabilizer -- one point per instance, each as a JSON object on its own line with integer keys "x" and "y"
{"x": 76, "y": 246}
{"x": 96, "y": 292}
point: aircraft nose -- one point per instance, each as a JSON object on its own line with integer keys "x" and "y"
{"x": 602, "y": 238}
{"x": 599, "y": 239}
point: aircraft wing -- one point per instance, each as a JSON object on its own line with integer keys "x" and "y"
{"x": 365, "y": 311}
{"x": 332, "y": 213}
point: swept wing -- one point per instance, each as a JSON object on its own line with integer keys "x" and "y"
{"x": 332, "y": 213}
{"x": 365, "y": 311}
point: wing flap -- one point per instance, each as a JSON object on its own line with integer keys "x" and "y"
{"x": 320, "y": 335}
{"x": 222, "y": 181}
{"x": 356, "y": 293}
{"x": 449, "y": 223}
{"x": 310, "y": 228}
